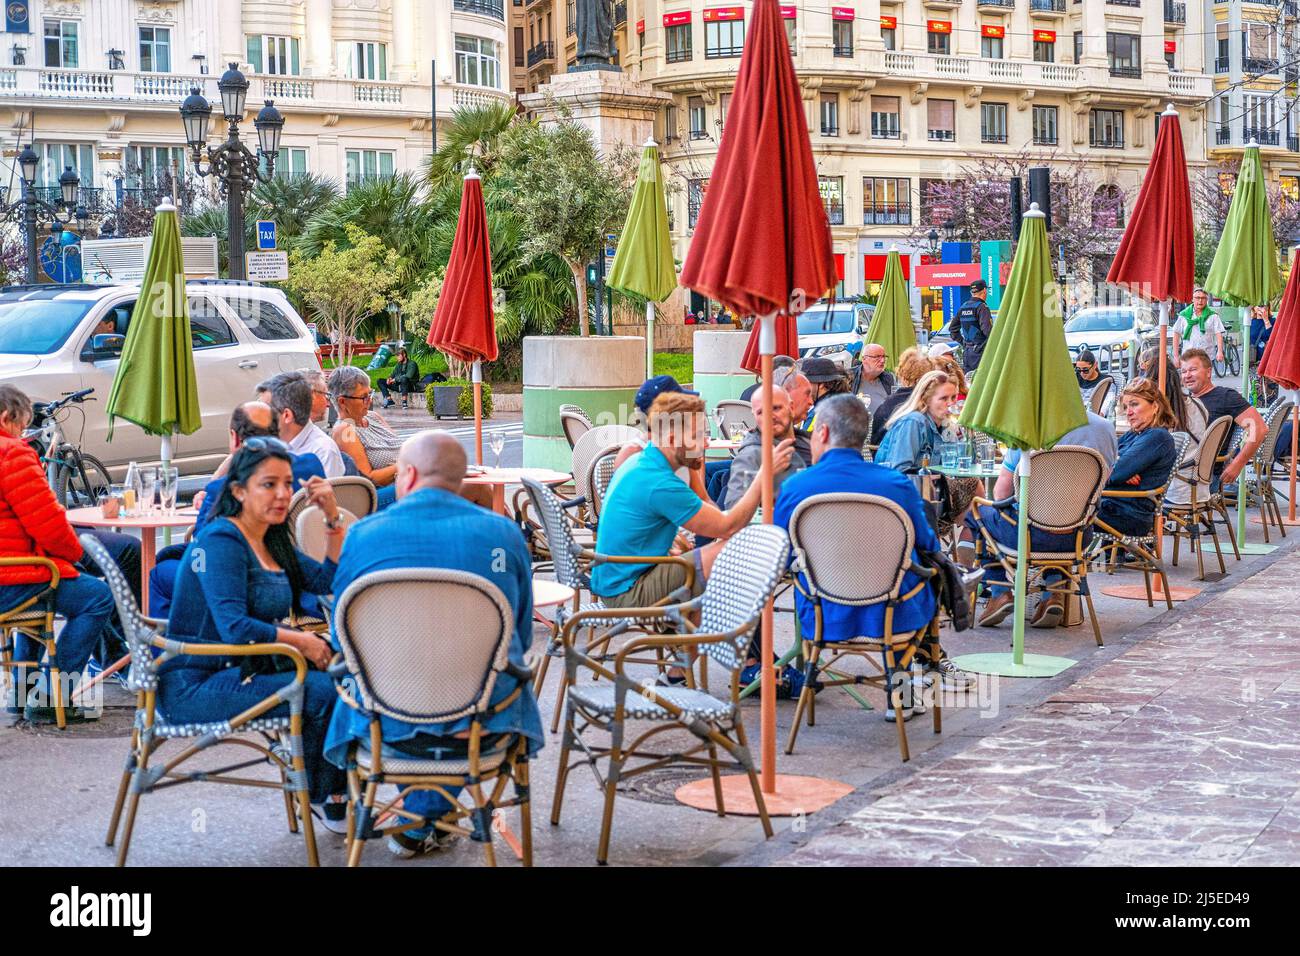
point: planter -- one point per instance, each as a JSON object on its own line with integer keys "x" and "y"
{"x": 718, "y": 374}
{"x": 446, "y": 400}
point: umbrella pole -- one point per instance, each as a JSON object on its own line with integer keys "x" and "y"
{"x": 1245, "y": 391}
{"x": 649, "y": 340}
{"x": 166, "y": 455}
{"x": 1022, "y": 552}
{"x": 476, "y": 376}
{"x": 1164, "y": 361}
{"x": 1295, "y": 432}
{"x": 767, "y": 722}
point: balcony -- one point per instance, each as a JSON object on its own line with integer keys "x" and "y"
{"x": 993, "y": 136}
{"x": 1259, "y": 65}
{"x": 1003, "y": 4}
{"x": 620, "y": 13}
{"x": 1127, "y": 72}
{"x": 1047, "y": 6}
{"x": 941, "y": 136}
{"x": 541, "y": 53}
{"x": 1175, "y": 12}
{"x": 1223, "y": 136}
{"x": 91, "y": 198}
{"x": 889, "y": 130}
{"x": 1264, "y": 137}
{"x": 1124, "y": 3}
{"x": 835, "y": 215}
{"x": 887, "y": 214}
{"x": 486, "y": 8}
{"x": 464, "y": 97}
{"x": 942, "y": 4}
{"x": 1106, "y": 142}
{"x": 1293, "y": 144}
{"x": 1221, "y": 64}
{"x": 843, "y": 50}
{"x": 1046, "y": 140}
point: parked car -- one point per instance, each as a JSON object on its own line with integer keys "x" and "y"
{"x": 1114, "y": 333}
{"x": 834, "y": 330}
{"x": 57, "y": 339}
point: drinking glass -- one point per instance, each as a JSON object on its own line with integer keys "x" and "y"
{"x": 964, "y": 460}
{"x": 948, "y": 456}
{"x": 988, "y": 453}
{"x": 738, "y": 431}
{"x": 148, "y": 490}
{"x": 497, "y": 442}
{"x": 168, "y": 486}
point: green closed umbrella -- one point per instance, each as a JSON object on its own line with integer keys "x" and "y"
{"x": 891, "y": 325}
{"x": 155, "y": 386}
{"x": 1025, "y": 394}
{"x": 1245, "y": 273}
{"x": 643, "y": 263}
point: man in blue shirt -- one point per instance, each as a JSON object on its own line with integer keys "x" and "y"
{"x": 432, "y": 526}
{"x": 843, "y": 424}
{"x": 647, "y": 503}
{"x": 249, "y": 420}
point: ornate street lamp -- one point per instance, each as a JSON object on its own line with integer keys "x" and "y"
{"x": 29, "y": 209}
{"x": 236, "y": 168}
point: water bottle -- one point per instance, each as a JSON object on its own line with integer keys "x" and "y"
{"x": 132, "y": 489}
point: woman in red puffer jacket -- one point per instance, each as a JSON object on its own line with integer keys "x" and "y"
{"x": 34, "y": 524}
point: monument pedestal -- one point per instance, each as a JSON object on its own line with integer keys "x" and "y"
{"x": 616, "y": 108}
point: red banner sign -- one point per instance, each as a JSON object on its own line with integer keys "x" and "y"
{"x": 677, "y": 19}
{"x": 846, "y": 13}
{"x": 948, "y": 274}
{"x": 713, "y": 14}
{"x": 873, "y": 266}
{"x": 640, "y": 26}
{"x": 1044, "y": 36}
{"x": 938, "y": 26}
{"x": 1171, "y": 46}
{"x": 889, "y": 23}
{"x": 787, "y": 13}
{"x": 988, "y": 30}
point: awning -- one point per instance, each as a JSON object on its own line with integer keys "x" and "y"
{"x": 677, "y": 19}
{"x": 713, "y": 14}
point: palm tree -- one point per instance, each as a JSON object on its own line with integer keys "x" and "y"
{"x": 292, "y": 201}
{"x": 469, "y": 139}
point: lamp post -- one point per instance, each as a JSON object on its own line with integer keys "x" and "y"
{"x": 236, "y": 168}
{"x": 29, "y": 207}
{"x": 394, "y": 310}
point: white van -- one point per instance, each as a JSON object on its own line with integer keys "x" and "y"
{"x": 57, "y": 339}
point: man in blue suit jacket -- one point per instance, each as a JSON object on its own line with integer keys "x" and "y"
{"x": 843, "y": 424}
{"x": 432, "y": 526}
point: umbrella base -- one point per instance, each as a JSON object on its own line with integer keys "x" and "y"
{"x": 1138, "y": 592}
{"x": 1004, "y": 665}
{"x": 1245, "y": 547}
{"x": 794, "y": 795}
{"x": 1289, "y": 522}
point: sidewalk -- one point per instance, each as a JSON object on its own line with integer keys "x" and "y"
{"x": 1184, "y": 750}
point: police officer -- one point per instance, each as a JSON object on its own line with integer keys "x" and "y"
{"x": 975, "y": 323}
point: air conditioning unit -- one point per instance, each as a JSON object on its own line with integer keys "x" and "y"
{"x": 123, "y": 260}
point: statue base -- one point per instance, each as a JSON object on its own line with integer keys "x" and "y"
{"x": 616, "y": 108}
{"x": 586, "y": 67}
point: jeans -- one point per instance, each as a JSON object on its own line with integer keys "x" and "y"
{"x": 124, "y": 549}
{"x": 162, "y": 580}
{"x": 402, "y": 387}
{"x": 193, "y": 695}
{"x": 1004, "y": 532}
{"x": 385, "y": 496}
{"x": 84, "y": 602}
{"x": 431, "y": 804}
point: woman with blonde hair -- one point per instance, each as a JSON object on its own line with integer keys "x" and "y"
{"x": 952, "y": 368}
{"x": 912, "y": 365}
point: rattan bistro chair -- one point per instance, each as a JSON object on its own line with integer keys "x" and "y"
{"x": 1259, "y": 471}
{"x": 1097, "y": 400}
{"x": 575, "y": 422}
{"x": 427, "y": 646}
{"x": 744, "y": 576}
{"x": 354, "y": 493}
{"x": 599, "y": 477}
{"x": 1063, "y": 493}
{"x": 1142, "y": 547}
{"x": 281, "y": 744}
{"x": 33, "y": 618}
{"x": 1188, "y": 519}
{"x": 731, "y": 411}
{"x": 825, "y": 533}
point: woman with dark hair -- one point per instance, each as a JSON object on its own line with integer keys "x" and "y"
{"x": 239, "y": 578}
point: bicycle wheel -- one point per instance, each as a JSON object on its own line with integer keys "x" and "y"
{"x": 75, "y": 492}
{"x": 1234, "y": 361}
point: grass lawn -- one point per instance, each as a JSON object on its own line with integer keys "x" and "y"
{"x": 680, "y": 366}
{"x": 433, "y": 362}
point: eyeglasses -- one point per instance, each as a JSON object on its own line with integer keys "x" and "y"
{"x": 359, "y": 398}
{"x": 266, "y": 443}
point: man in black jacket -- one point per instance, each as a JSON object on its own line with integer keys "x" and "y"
{"x": 974, "y": 323}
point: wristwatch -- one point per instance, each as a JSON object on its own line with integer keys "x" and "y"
{"x": 332, "y": 524}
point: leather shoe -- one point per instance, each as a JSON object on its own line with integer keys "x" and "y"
{"x": 996, "y": 611}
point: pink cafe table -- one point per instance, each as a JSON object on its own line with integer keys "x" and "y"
{"x": 498, "y": 478}
{"x": 146, "y": 525}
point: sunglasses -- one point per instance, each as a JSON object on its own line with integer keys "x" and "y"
{"x": 266, "y": 443}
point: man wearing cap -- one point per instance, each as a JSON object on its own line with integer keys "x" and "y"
{"x": 877, "y": 383}
{"x": 651, "y": 389}
{"x": 827, "y": 379}
{"x": 974, "y": 323}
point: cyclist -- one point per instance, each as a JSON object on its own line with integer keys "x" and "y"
{"x": 1199, "y": 327}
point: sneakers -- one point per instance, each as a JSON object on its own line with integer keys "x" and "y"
{"x": 997, "y": 609}
{"x": 908, "y": 713}
{"x": 389, "y": 403}
{"x": 405, "y": 847}
{"x": 1049, "y": 613}
{"x": 953, "y": 677}
{"x": 405, "y": 403}
{"x": 47, "y": 715}
{"x": 332, "y": 815}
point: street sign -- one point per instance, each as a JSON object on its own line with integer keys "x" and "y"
{"x": 267, "y": 266}
{"x": 265, "y": 234}
{"x": 611, "y": 247}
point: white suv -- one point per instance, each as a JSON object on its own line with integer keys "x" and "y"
{"x": 57, "y": 339}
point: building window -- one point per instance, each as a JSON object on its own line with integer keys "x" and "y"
{"x": 477, "y": 63}
{"x": 677, "y": 43}
{"x": 941, "y": 122}
{"x": 792, "y": 34}
{"x": 1259, "y": 47}
{"x": 570, "y": 17}
{"x": 670, "y": 123}
{"x": 1106, "y": 129}
{"x": 939, "y": 44}
{"x": 886, "y": 202}
{"x": 1124, "y": 53}
{"x": 724, "y": 106}
{"x": 274, "y": 55}
{"x": 151, "y": 166}
{"x": 1290, "y": 187}
{"x": 366, "y": 164}
{"x": 724, "y": 38}
{"x": 1044, "y": 51}
{"x": 842, "y": 37}
{"x": 155, "y": 50}
{"x": 832, "y": 190}
{"x": 991, "y": 48}
{"x": 1263, "y": 115}
{"x": 830, "y": 114}
{"x": 884, "y": 117}
{"x": 1221, "y": 48}
{"x": 698, "y": 118}
{"x": 290, "y": 162}
{"x": 519, "y": 46}
{"x": 363, "y": 61}
{"x": 55, "y": 157}
{"x": 1108, "y": 207}
{"x": 695, "y": 190}
{"x": 1045, "y": 126}
{"x": 61, "y": 43}
{"x": 993, "y": 122}
{"x": 889, "y": 37}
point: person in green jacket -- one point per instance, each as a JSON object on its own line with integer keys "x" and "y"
{"x": 405, "y": 378}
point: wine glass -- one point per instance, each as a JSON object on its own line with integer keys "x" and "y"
{"x": 168, "y": 486}
{"x": 497, "y": 442}
{"x": 148, "y": 490}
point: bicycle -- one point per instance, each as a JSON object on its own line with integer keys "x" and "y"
{"x": 78, "y": 479}
{"x": 1231, "y": 362}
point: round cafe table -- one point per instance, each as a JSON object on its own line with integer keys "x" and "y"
{"x": 985, "y": 471}
{"x": 548, "y": 593}
{"x": 498, "y": 478}
{"x": 147, "y": 526}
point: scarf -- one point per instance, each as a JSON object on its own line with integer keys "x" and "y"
{"x": 1193, "y": 321}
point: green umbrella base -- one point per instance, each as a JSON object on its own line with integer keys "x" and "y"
{"x": 1245, "y": 547}
{"x": 1004, "y": 665}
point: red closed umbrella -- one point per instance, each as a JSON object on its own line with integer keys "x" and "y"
{"x": 464, "y": 325}
{"x": 1281, "y": 362}
{"x": 762, "y": 245}
{"x": 787, "y": 342}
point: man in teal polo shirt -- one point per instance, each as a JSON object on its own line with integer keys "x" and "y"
{"x": 647, "y": 503}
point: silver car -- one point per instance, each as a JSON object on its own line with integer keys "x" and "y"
{"x": 57, "y": 339}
